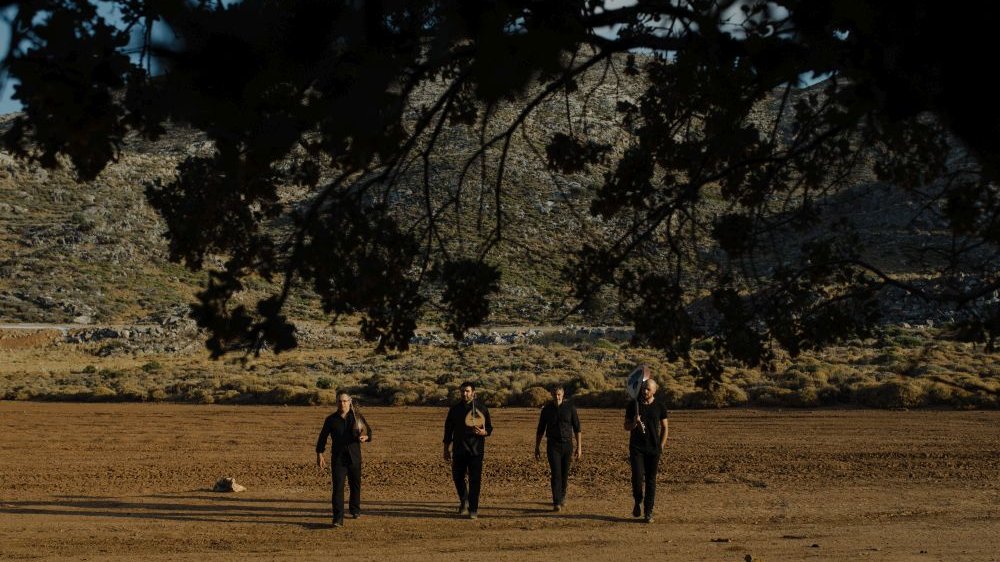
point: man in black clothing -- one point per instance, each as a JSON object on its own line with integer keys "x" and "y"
{"x": 647, "y": 440}
{"x": 347, "y": 431}
{"x": 559, "y": 421}
{"x": 468, "y": 433}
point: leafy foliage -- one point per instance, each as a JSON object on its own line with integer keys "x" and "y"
{"x": 725, "y": 154}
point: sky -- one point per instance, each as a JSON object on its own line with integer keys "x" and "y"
{"x": 105, "y": 9}
{"x": 9, "y": 105}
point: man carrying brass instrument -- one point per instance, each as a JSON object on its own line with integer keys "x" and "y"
{"x": 559, "y": 421}
{"x": 347, "y": 430}
{"x": 646, "y": 420}
{"x": 467, "y": 426}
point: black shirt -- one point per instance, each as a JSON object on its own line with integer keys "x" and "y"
{"x": 343, "y": 433}
{"x": 559, "y": 423}
{"x": 651, "y": 414}
{"x": 466, "y": 442}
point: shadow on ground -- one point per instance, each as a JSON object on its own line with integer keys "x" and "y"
{"x": 213, "y": 508}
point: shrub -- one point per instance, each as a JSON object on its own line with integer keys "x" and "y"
{"x": 324, "y": 383}
{"x": 611, "y": 398}
{"x": 102, "y": 394}
{"x": 908, "y": 341}
{"x": 152, "y": 366}
{"x": 602, "y": 343}
{"x": 280, "y": 394}
{"x": 109, "y": 374}
{"x": 129, "y": 392}
{"x": 200, "y": 396}
{"x": 494, "y": 398}
{"x": 725, "y": 394}
{"x": 404, "y": 398}
{"x": 940, "y": 394}
{"x": 589, "y": 381}
{"x": 891, "y": 394}
{"x": 772, "y": 396}
{"x": 534, "y": 397}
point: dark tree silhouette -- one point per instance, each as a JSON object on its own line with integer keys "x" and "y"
{"x": 721, "y": 203}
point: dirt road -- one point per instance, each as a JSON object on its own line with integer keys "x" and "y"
{"x": 117, "y": 481}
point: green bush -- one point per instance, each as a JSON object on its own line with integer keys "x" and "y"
{"x": 109, "y": 374}
{"x": 152, "y": 367}
{"x": 908, "y": 341}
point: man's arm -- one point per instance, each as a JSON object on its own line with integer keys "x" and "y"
{"x": 448, "y": 430}
{"x": 321, "y": 444}
{"x": 579, "y": 434}
{"x": 488, "y": 424}
{"x": 630, "y": 417}
{"x": 539, "y": 433}
{"x": 368, "y": 431}
{"x": 663, "y": 433}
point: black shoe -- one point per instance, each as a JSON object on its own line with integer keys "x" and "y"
{"x": 355, "y": 516}
{"x": 461, "y": 508}
{"x": 473, "y": 515}
{"x": 649, "y": 517}
{"x": 637, "y": 510}
{"x": 557, "y": 507}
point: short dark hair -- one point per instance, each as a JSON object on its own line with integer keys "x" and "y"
{"x": 469, "y": 384}
{"x": 557, "y": 387}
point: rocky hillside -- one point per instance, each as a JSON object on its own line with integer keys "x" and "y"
{"x": 93, "y": 253}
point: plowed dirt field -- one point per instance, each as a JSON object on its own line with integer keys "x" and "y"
{"x": 132, "y": 481}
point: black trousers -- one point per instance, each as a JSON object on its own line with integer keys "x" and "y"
{"x": 559, "y": 454}
{"x": 644, "y": 467}
{"x": 343, "y": 467}
{"x": 462, "y": 465}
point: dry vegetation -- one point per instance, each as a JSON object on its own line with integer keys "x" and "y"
{"x": 903, "y": 369}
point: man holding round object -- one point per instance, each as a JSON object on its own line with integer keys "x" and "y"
{"x": 347, "y": 429}
{"x": 559, "y": 421}
{"x": 465, "y": 431}
{"x": 646, "y": 422}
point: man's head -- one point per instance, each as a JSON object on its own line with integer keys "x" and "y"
{"x": 343, "y": 402}
{"x": 468, "y": 391}
{"x": 648, "y": 390}
{"x": 558, "y": 393}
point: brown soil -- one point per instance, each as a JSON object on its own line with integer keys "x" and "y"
{"x": 115, "y": 481}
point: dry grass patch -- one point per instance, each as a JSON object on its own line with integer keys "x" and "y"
{"x": 924, "y": 372}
